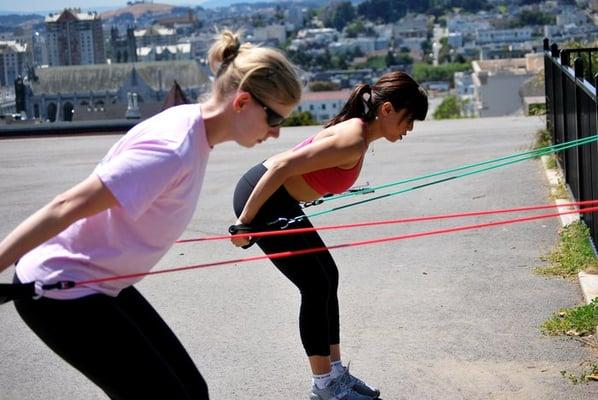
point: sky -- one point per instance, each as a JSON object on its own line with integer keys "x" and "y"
{"x": 41, "y": 6}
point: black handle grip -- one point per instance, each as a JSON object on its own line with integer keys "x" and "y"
{"x": 243, "y": 228}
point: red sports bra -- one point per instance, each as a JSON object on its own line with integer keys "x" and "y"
{"x": 330, "y": 180}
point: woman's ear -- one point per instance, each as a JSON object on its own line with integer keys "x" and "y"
{"x": 386, "y": 108}
{"x": 241, "y": 100}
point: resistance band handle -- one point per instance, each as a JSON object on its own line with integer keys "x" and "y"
{"x": 60, "y": 285}
{"x": 317, "y": 201}
{"x": 243, "y": 228}
{"x": 31, "y": 290}
{"x": 15, "y": 291}
{"x": 312, "y": 203}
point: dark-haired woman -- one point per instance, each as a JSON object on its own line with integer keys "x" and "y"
{"x": 328, "y": 162}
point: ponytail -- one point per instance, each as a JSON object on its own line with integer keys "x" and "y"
{"x": 359, "y": 105}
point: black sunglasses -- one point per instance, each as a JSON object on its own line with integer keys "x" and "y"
{"x": 273, "y": 118}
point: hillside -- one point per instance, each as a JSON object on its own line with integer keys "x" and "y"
{"x": 139, "y": 9}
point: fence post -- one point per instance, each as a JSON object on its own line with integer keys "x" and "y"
{"x": 562, "y": 131}
{"x": 554, "y": 50}
{"x": 578, "y": 67}
{"x": 594, "y": 156}
{"x": 548, "y": 91}
{"x": 577, "y": 164}
{"x": 565, "y": 57}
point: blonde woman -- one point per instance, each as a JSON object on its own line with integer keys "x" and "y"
{"x": 126, "y": 215}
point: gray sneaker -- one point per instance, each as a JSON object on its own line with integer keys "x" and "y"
{"x": 336, "y": 390}
{"x": 358, "y": 385}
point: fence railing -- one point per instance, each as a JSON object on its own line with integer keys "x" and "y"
{"x": 60, "y": 128}
{"x": 571, "y": 113}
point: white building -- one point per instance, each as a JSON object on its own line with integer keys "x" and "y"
{"x": 568, "y": 32}
{"x": 323, "y": 105}
{"x": 320, "y": 37}
{"x": 8, "y": 104}
{"x": 464, "y": 89}
{"x": 497, "y": 83}
{"x": 200, "y": 45}
{"x": 155, "y": 35}
{"x": 385, "y": 31}
{"x": 296, "y": 16}
{"x": 14, "y": 57}
{"x": 181, "y": 51}
{"x": 503, "y": 35}
{"x": 268, "y": 33}
{"x": 366, "y": 45}
{"x": 576, "y": 17}
{"x": 466, "y": 24}
{"x": 455, "y": 39}
{"x": 411, "y": 26}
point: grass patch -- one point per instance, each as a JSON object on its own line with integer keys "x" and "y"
{"x": 574, "y": 252}
{"x": 551, "y": 162}
{"x": 589, "y": 374}
{"x": 543, "y": 139}
{"x": 559, "y": 191}
{"x": 575, "y": 321}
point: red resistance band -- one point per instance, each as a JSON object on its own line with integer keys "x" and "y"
{"x": 394, "y": 221}
{"x": 284, "y": 254}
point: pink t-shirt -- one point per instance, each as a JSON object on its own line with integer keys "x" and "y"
{"x": 155, "y": 172}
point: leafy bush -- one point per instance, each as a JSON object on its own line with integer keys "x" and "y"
{"x": 300, "y": 118}
{"x": 450, "y": 108}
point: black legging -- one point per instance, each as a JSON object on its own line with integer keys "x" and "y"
{"x": 120, "y": 343}
{"x": 316, "y": 275}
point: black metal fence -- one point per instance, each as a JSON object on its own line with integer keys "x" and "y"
{"x": 571, "y": 113}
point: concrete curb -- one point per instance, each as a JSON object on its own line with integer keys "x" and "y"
{"x": 588, "y": 282}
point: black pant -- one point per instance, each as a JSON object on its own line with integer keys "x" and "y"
{"x": 316, "y": 275}
{"x": 120, "y": 343}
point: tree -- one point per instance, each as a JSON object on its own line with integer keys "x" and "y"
{"x": 449, "y": 108}
{"x": 444, "y": 72}
{"x": 300, "y": 118}
{"x": 339, "y": 15}
{"x": 382, "y": 10}
{"x": 321, "y": 86}
{"x": 529, "y": 17}
{"x": 404, "y": 58}
{"x": 390, "y": 58}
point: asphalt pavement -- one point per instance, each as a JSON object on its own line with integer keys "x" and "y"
{"x": 452, "y": 316}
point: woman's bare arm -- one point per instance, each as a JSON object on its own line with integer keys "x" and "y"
{"x": 87, "y": 198}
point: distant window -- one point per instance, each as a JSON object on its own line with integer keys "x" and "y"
{"x": 67, "y": 112}
{"x": 323, "y": 106}
{"x": 311, "y": 107}
{"x": 299, "y": 109}
{"x": 51, "y": 112}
